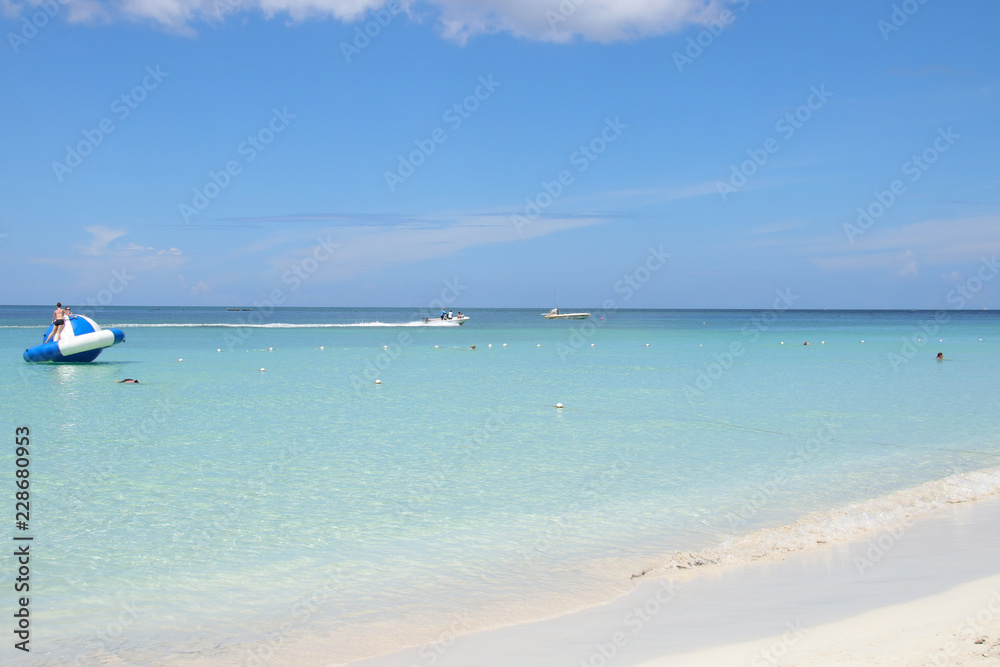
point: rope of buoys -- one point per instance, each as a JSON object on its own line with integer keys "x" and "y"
{"x": 792, "y": 435}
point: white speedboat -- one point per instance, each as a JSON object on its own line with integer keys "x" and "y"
{"x": 554, "y": 314}
{"x": 445, "y": 321}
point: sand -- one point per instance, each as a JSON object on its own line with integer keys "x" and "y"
{"x": 924, "y": 592}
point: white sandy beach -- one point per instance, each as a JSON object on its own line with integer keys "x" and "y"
{"x": 915, "y": 590}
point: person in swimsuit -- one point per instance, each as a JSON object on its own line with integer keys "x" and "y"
{"x": 128, "y": 381}
{"x": 58, "y": 318}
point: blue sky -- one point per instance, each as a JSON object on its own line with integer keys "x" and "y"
{"x": 197, "y": 152}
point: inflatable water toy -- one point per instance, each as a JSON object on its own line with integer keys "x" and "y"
{"x": 82, "y": 339}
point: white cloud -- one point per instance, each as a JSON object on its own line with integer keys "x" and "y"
{"x": 102, "y": 237}
{"x": 548, "y": 20}
{"x": 596, "y": 20}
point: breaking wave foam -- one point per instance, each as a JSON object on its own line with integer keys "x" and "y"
{"x": 843, "y": 523}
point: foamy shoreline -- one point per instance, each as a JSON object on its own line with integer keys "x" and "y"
{"x": 805, "y": 590}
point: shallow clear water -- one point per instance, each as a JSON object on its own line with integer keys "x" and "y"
{"x": 214, "y": 504}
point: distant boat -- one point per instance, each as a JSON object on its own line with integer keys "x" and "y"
{"x": 554, "y": 314}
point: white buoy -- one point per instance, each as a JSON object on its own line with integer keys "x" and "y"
{"x": 321, "y": 347}
{"x": 489, "y": 345}
{"x": 262, "y": 370}
{"x": 270, "y": 349}
{"x": 218, "y": 349}
{"x": 647, "y": 344}
{"x": 385, "y": 347}
{"x": 559, "y": 405}
{"x": 435, "y": 347}
{"x": 378, "y": 382}
{"x": 539, "y": 345}
{"x": 505, "y": 344}
{"x": 180, "y": 360}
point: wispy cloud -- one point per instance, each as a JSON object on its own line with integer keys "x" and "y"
{"x": 775, "y": 227}
{"x": 102, "y": 236}
{"x": 365, "y": 246}
{"x": 662, "y": 194}
{"x": 903, "y": 250}
{"x": 553, "y": 21}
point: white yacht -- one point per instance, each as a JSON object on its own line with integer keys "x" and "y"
{"x": 554, "y": 314}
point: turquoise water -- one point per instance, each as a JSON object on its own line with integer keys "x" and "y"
{"x": 214, "y": 505}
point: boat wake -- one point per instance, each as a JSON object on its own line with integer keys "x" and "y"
{"x": 286, "y": 325}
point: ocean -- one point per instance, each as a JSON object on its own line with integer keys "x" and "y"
{"x": 303, "y": 514}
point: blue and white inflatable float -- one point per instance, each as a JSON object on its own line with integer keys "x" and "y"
{"x": 82, "y": 339}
